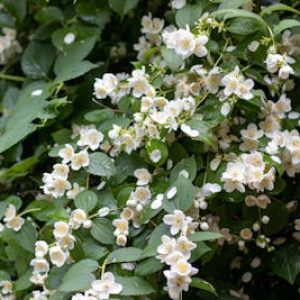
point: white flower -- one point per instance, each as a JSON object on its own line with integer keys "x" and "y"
{"x": 176, "y": 284}
{"x": 41, "y": 249}
{"x": 56, "y": 187}
{"x": 177, "y": 4}
{"x": 244, "y": 89}
{"x": 182, "y": 267}
{"x": 103, "y": 212}
{"x": 185, "y": 246}
{"x": 225, "y": 109}
{"x": 155, "y": 155}
{"x": 60, "y": 171}
{"x": 100, "y": 90}
{"x": 90, "y": 137}
{"x": 106, "y": 286}
{"x": 79, "y": 160}
{"x": 281, "y": 63}
{"x": 230, "y": 81}
{"x": 57, "y": 256}
{"x": 74, "y": 191}
{"x": 176, "y": 221}
{"x": 139, "y": 83}
{"x": 234, "y": 177}
{"x": 200, "y": 50}
{"x": 182, "y": 41}
{"x": 15, "y": 223}
{"x": 211, "y": 188}
{"x": 253, "y": 46}
{"x": 166, "y": 248}
{"x": 121, "y": 226}
{"x": 10, "y": 213}
{"x": 189, "y": 131}
{"x": 61, "y": 229}
{"x": 143, "y": 176}
{"x": 78, "y": 216}
{"x": 40, "y": 265}
{"x": 66, "y": 153}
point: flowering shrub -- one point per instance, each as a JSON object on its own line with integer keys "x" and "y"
{"x": 149, "y": 150}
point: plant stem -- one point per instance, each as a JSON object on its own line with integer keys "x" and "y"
{"x": 12, "y": 77}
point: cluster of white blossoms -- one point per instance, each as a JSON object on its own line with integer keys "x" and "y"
{"x": 176, "y": 252}
{"x": 278, "y": 63}
{"x": 185, "y": 43}
{"x": 56, "y": 183}
{"x": 250, "y": 170}
{"x": 58, "y": 251}
{"x": 11, "y": 219}
{"x": 163, "y": 111}
{"x": 135, "y": 204}
{"x": 101, "y": 289}
{"x": 151, "y": 29}
{"x": 9, "y": 46}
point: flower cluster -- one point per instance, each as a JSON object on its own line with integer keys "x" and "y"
{"x": 101, "y": 288}
{"x": 177, "y": 252}
{"x": 11, "y": 219}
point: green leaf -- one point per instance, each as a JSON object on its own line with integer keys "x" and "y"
{"x": 155, "y": 240}
{"x": 285, "y": 24}
{"x": 205, "y": 130}
{"x": 201, "y": 249}
{"x": 128, "y": 254}
{"x": 188, "y": 15}
{"x": 148, "y": 266}
{"x": 278, "y": 214}
{"x": 86, "y": 200}
{"x": 101, "y": 165}
{"x": 134, "y": 286}
{"x": 49, "y": 14}
{"x": 95, "y": 13}
{"x": 16, "y": 7}
{"x": 184, "y": 197}
{"x": 98, "y": 116}
{"x": 173, "y": 60}
{"x": 19, "y": 169}
{"x": 205, "y": 236}
{"x": 74, "y": 70}
{"x": 25, "y": 238}
{"x": 243, "y": 26}
{"x": 226, "y": 14}
{"x": 203, "y": 285}
{"x": 232, "y": 4}
{"x": 286, "y": 263}
{"x": 28, "y": 109}
{"x": 122, "y": 7}
{"x": 187, "y": 164}
{"x": 79, "y": 276}
{"x": 278, "y": 7}
{"x": 153, "y": 145}
{"x": 23, "y": 281}
{"x": 37, "y": 60}
{"x": 55, "y": 276}
{"x": 102, "y": 230}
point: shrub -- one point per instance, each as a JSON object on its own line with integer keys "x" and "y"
{"x": 150, "y": 150}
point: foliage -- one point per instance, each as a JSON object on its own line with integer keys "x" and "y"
{"x": 149, "y": 149}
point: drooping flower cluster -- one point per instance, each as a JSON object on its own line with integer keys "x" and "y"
{"x": 11, "y": 219}
{"x": 177, "y": 252}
